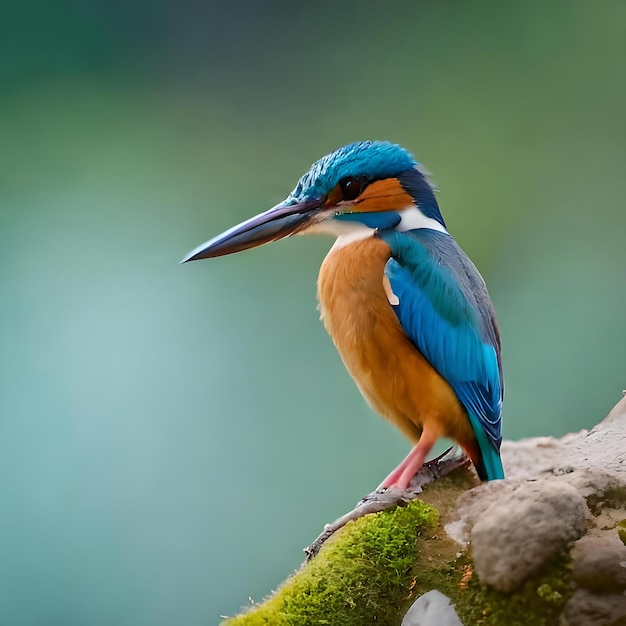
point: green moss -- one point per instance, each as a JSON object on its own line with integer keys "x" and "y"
{"x": 613, "y": 498}
{"x": 539, "y": 601}
{"x": 621, "y": 530}
{"x": 545, "y": 592}
{"x": 364, "y": 575}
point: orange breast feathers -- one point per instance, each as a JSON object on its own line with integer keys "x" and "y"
{"x": 389, "y": 370}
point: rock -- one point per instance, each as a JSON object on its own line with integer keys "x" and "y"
{"x": 556, "y": 490}
{"x": 516, "y": 535}
{"x": 599, "y": 563}
{"x": 432, "y": 609}
{"x": 601, "y": 448}
{"x": 588, "y": 609}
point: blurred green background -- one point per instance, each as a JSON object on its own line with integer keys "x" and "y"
{"x": 172, "y": 436}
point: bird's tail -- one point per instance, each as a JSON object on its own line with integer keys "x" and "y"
{"x": 488, "y": 465}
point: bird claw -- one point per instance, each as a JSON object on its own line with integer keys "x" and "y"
{"x": 441, "y": 466}
{"x": 387, "y": 498}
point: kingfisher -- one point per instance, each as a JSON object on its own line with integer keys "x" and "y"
{"x": 406, "y": 308}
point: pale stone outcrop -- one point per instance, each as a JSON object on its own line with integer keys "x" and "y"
{"x": 567, "y": 493}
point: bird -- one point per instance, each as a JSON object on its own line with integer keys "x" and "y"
{"x": 405, "y": 307}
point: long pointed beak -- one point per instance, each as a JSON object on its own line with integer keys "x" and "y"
{"x": 280, "y": 221}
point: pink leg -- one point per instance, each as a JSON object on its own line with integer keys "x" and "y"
{"x": 402, "y": 475}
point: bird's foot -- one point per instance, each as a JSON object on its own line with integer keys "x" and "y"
{"x": 440, "y": 466}
{"x": 403, "y": 474}
{"x": 388, "y": 497}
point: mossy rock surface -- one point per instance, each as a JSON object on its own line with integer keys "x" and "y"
{"x": 374, "y": 568}
{"x": 539, "y": 601}
{"x": 364, "y": 575}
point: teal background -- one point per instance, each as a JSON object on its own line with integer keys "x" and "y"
{"x": 172, "y": 436}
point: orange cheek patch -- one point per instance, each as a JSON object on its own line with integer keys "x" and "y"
{"x": 383, "y": 195}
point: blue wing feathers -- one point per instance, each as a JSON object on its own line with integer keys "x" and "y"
{"x": 445, "y": 310}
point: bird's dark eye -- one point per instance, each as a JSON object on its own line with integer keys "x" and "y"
{"x": 352, "y": 186}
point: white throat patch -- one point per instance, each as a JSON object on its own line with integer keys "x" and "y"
{"x": 346, "y": 232}
{"x": 413, "y": 218}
